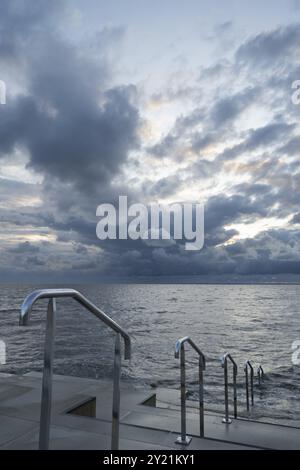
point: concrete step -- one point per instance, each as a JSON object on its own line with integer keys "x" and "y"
{"x": 142, "y": 426}
{"x": 240, "y": 431}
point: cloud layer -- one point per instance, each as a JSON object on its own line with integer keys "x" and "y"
{"x": 75, "y": 133}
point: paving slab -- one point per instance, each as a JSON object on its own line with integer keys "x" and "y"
{"x": 242, "y": 432}
{"x": 142, "y": 427}
{"x": 11, "y": 428}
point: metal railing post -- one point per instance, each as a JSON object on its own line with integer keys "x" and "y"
{"x": 234, "y": 394}
{"x": 247, "y": 388}
{"x": 46, "y": 400}
{"x": 260, "y": 374}
{"x": 252, "y": 386}
{"x": 224, "y": 363}
{"x": 183, "y": 439}
{"x": 52, "y": 294}
{"x": 116, "y": 396}
{"x": 226, "y": 418}
{"x": 249, "y": 365}
{"x": 201, "y": 397}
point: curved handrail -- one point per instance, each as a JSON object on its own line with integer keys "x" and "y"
{"x": 260, "y": 374}
{"x": 183, "y": 439}
{"x": 224, "y": 360}
{"x": 247, "y": 366}
{"x": 186, "y": 339}
{"x": 229, "y": 356}
{"x": 46, "y": 401}
{"x": 74, "y": 294}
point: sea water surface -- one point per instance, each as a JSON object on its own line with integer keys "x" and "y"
{"x": 255, "y": 322}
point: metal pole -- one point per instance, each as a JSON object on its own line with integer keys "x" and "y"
{"x": 247, "y": 387}
{"x": 252, "y": 387}
{"x": 116, "y": 396}
{"x": 201, "y": 398}
{"x": 45, "y": 416}
{"x": 226, "y": 418}
{"x": 260, "y": 374}
{"x": 183, "y": 439}
{"x": 234, "y": 393}
{"x": 183, "y": 394}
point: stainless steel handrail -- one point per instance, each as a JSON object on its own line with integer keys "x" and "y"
{"x": 246, "y": 367}
{"x": 224, "y": 360}
{"x": 52, "y": 295}
{"x": 260, "y": 374}
{"x": 183, "y": 439}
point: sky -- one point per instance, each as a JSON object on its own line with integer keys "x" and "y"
{"x": 161, "y": 101}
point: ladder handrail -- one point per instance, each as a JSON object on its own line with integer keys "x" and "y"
{"x": 229, "y": 356}
{"x": 224, "y": 360}
{"x": 186, "y": 339}
{"x": 260, "y": 374}
{"x": 246, "y": 367}
{"x": 74, "y": 294}
{"x": 183, "y": 439}
{"x": 46, "y": 400}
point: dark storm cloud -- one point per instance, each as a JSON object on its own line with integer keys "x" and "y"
{"x": 270, "y": 47}
{"x": 285, "y": 243}
{"x": 12, "y": 190}
{"x": 67, "y": 132}
{"x": 218, "y": 235}
{"x": 296, "y": 219}
{"x": 228, "y": 108}
{"x": 224, "y": 210}
{"x": 165, "y": 187}
{"x": 265, "y": 136}
{"x": 25, "y": 247}
{"x": 292, "y": 147}
{"x": 76, "y": 129}
{"x": 214, "y": 121}
{"x": 34, "y": 261}
{"x": 20, "y": 18}
{"x": 203, "y": 168}
{"x": 250, "y": 256}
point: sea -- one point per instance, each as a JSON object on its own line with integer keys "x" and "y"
{"x": 259, "y": 323}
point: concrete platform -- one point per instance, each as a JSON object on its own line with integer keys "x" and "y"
{"x": 142, "y": 426}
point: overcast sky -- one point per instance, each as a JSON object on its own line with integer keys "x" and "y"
{"x": 162, "y": 101}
